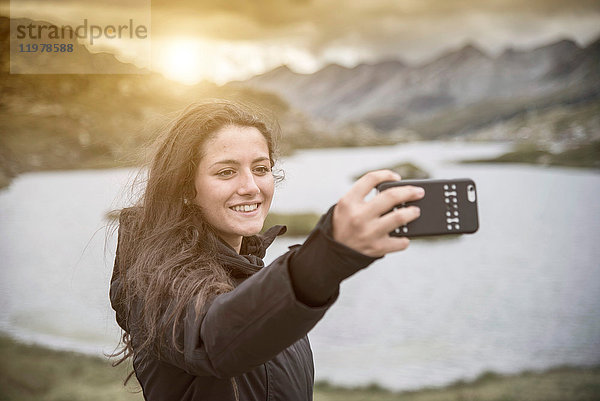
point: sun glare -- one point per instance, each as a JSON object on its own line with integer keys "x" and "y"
{"x": 182, "y": 62}
{"x": 191, "y": 60}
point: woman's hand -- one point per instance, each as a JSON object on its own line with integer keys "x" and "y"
{"x": 359, "y": 224}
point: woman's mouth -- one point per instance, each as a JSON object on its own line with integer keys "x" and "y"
{"x": 245, "y": 208}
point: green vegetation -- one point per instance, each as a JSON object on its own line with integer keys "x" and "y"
{"x": 30, "y": 372}
{"x": 582, "y": 156}
{"x": 58, "y": 122}
{"x": 298, "y": 224}
{"x": 559, "y": 384}
{"x": 408, "y": 171}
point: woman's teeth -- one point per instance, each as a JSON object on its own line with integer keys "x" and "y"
{"x": 245, "y": 208}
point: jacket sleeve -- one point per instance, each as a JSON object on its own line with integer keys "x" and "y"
{"x": 250, "y": 325}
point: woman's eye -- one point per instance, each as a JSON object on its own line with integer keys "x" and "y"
{"x": 225, "y": 173}
{"x": 262, "y": 170}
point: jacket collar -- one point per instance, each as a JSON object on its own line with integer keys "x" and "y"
{"x": 252, "y": 252}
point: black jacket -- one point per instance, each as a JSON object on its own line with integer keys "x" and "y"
{"x": 255, "y": 333}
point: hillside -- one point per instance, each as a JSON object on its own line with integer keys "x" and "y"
{"x": 63, "y": 121}
{"x": 547, "y": 96}
{"x": 458, "y": 92}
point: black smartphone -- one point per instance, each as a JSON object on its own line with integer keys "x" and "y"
{"x": 448, "y": 207}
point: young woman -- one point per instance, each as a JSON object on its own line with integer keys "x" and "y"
{"x": 202, "y": 317}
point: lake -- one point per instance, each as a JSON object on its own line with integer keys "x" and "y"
{"x": 521, "y": 293}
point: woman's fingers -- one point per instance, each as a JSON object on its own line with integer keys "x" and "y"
{"x": 367, "y": 182}
{"x": 397, "y": 218}
{"x": 384, "y": 245}
{"x": 365, "y": 226}
{"x": 386, "y": 200}
{"x": 393, "y": 244}
{"x": 379, "y": 242}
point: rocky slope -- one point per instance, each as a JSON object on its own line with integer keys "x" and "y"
{"x": 63, "y": 121}
{"x": 459, "y": 91}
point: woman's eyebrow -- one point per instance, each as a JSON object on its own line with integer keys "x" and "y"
{"x": 225, "y": 162}
{"x": 231, "y": 161}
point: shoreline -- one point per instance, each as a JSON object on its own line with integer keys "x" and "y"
{"x": 585, "y": 156}
{"x": 55, "y": 342}
{"x": 60, "y": 374}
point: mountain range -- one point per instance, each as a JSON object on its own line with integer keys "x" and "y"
{"x": 452, "y": 94}
{"x": 56, "y": 121}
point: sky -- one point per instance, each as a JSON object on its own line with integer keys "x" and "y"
{"x": 223, "y": 40}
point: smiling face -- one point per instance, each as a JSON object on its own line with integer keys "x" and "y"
{"x": 234, "y": 183}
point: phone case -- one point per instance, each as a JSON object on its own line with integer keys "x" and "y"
{"x": 448, "y": 207}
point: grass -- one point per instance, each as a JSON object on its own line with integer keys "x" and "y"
{"x": 407, "y": 170}
{"x": 587, "y": 156}
{"x": 30, "y": 372}
{"x": 298, "y": 224}
{"x": 563, "y": 383}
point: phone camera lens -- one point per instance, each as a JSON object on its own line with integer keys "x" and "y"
{"x": 471, "y": 195}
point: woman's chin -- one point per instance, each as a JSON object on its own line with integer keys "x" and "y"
{"x": 250, "y": 228}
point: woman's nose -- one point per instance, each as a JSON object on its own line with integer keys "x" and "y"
{"x": 248, "y": 184}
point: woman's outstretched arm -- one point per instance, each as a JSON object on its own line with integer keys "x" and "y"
{"x": 358, "y": 228}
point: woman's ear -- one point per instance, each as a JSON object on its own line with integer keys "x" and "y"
{"x": 189, "y": 194}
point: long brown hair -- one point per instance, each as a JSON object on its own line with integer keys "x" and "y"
{"x": 167, "y": 253}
